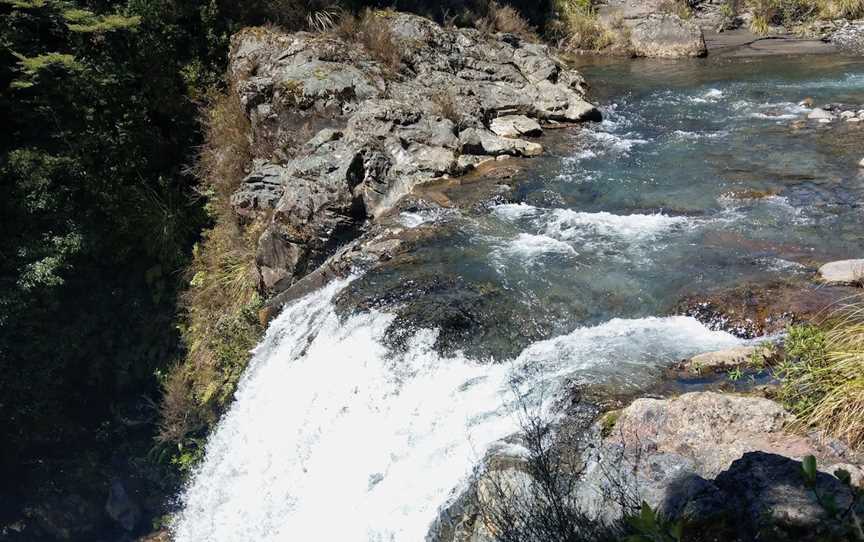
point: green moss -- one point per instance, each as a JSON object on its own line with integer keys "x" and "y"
{"x": 608, "y": 422}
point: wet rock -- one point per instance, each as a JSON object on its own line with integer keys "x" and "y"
{"x": 843, "y": 272}
{"x": 666, "y": 35}
{"x": 719, "y": 361}
{"x": 755, "y": 309}
{"x": 378, "y": 134}
{"x": 515, "y": 126}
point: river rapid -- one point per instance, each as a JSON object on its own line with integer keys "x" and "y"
{"x": 369, "y": 402}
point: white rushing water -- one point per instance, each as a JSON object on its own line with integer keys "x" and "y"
{"x": 332, "y": 437}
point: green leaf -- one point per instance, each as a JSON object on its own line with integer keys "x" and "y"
{"x": 844, "y": 476}
{"x": 808, "y": 465}
{"x": 647, "y": 515}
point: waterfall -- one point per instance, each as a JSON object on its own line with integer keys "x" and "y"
{"x": 333, "y": 437}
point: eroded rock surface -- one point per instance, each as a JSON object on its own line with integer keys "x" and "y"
{"x": 375, "y": 133}
{"x": 657, "y": 443}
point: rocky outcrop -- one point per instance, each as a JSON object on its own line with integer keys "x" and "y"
{"x": 666, "y": 35}
{"x": 726, "y": 465}
{"x": 848, "y": 36}
{"x": 652, "y": 29}
{"x": 375, "y": 133}
{"x": 667, "y": 452}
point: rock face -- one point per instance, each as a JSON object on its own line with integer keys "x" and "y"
{"x": 375, "y": 133}
{"x": 843, "y": 272}
{"x": 724, "y": 464}
{"x": 666, "y": 452}
{"x": 653, "y": 30}
{"x": 666, "y": 35}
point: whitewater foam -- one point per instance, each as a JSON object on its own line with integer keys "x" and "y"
{"x": 414, "y": 219}
{"x": 616, "y": 142}
{"x": 331, "y": 436}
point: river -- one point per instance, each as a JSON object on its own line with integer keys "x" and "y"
{"x": 359, "y": 425}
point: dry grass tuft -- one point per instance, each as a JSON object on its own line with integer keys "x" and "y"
{"x": 823, "y": 375}
{"x": 371, "y": 29}
{"x": 508, "y": 20}
{"x": 446, "y": 105}
{"x": 792, "y": 12}
{"x": 681, "y": 8}
{"x": 220, "y": 324}
{"x": 579, "y": 28}
{"x": 846, "y": 9}
{"x": 226, "y": 152}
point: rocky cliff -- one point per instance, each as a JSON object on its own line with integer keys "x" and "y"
{"x": 346, "y": 130}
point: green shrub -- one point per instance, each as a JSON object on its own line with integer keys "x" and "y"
{"x": 822, "y": 375}
{"x": 579, "y": 28}
{"x": 371, "y": 29}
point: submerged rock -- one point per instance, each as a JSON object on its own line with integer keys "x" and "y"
{"x": 374, "y": 133}
{"x": 754, "y": 309}
{"x": 721, "y": 360}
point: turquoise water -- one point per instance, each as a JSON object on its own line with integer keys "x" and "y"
{"x": 696, "y": 179}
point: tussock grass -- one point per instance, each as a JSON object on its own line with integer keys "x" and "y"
{"x": 226, "y": 152}
{"x": 822, "y": 377}
{"x": 371, "y": 29}
{"x": 791, "y": 12}
{"x": 579, "y": 28}
{"x": 219, "y": 325}
{"x": 508, "y": 20}
{"x": 846, "y": 9}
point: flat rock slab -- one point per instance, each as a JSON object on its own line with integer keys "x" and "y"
{"x": 515, "y": 126}
{"x": 843, "y": 272}
{"x": 720, "y": 360}
{"x": 742, "y": 42}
